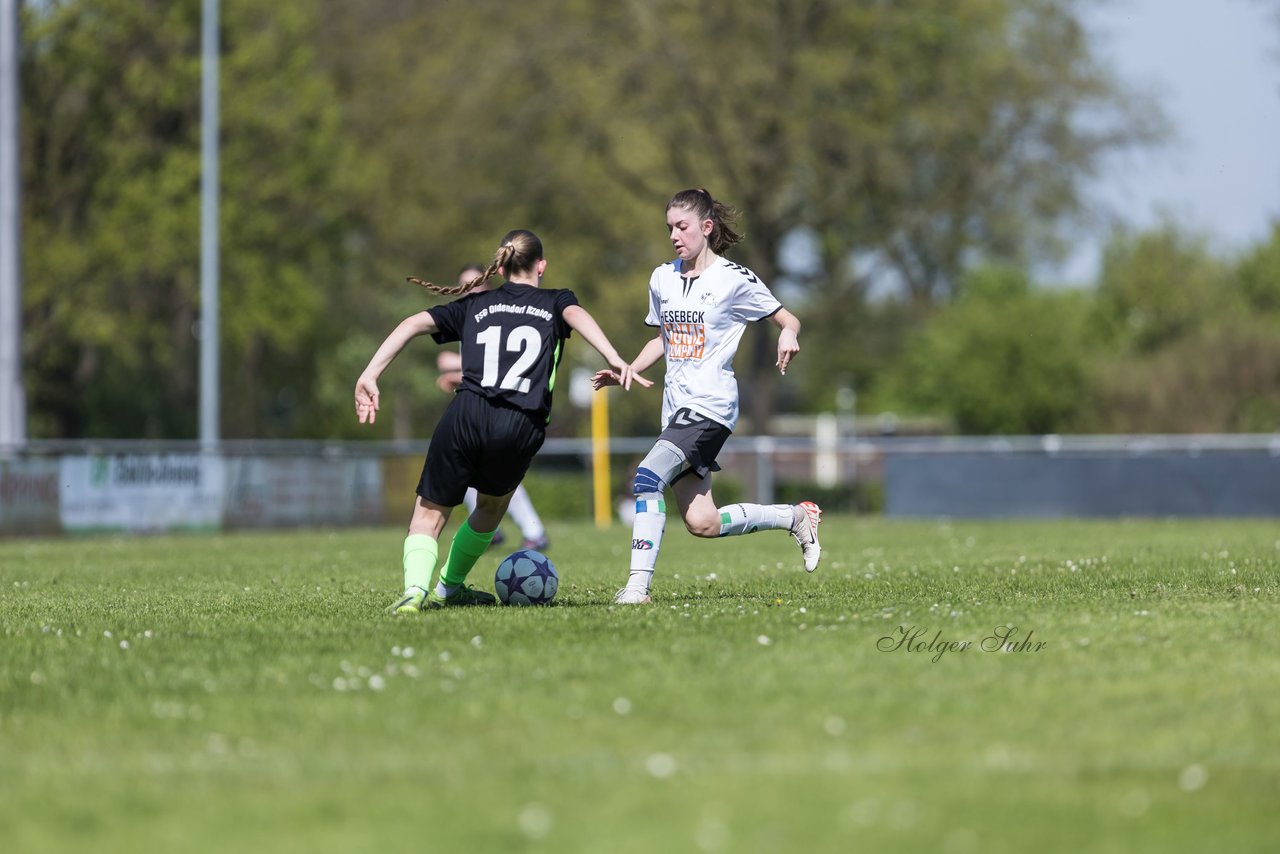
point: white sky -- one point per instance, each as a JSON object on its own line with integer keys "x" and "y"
{"x": 1214, "y": 67}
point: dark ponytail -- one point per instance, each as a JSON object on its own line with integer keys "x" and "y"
{"x": 724, "y": 217}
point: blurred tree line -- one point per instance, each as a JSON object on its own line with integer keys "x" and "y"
{"x": 1172, "y": 339}
{"x": 939, "y": 148}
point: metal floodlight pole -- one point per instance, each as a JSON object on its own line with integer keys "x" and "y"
{"x": 209, "y": 334}
{"x": 13, "y": 404}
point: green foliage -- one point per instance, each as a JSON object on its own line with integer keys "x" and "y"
{"x": 855, "y": 346}
{"x": 286, "y": 213}
{"x": 111, "y": 165}
{"x": 1191, "y": 341}
{"x": 1224, "y": 377}
{"x": 921, "y": 134}
{"x": 366, "y": 142}
{"x": 1003, "y": 358}
{"x": 1158, "y": 286}
{"x": 1174, "y": 339}
{"x": 1258, "y": 276}
{"x": 111, "y": 123}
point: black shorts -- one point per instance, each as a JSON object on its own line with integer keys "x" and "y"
{"x": 699, "y": 438}
{"x": 481, "y": 444}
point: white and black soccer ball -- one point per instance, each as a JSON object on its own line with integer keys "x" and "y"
{"x": 526, "y": 577}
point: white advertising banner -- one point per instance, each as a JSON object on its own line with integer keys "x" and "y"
{"x": 282, "y": 492}
{"x": 29, "y": 496}
{"x": 141, "y": 492}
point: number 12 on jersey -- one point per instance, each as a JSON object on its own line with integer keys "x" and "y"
{"x": 521, "y": 340}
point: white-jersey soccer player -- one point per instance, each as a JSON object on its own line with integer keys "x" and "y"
{"x": 702, "y": 316}
{"x": 702, "y": 303}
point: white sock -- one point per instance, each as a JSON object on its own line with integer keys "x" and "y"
{"x": 646, "y": 538}
{"x": 443, "y": 589}
{"x": 522, "y": 513}
{"x": 470, "y": 500}
{"x": 738, "y": 519}
{"x": 640, "y": 579}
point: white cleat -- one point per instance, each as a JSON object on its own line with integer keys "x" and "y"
{"x": 805, "y": 531}
{"x": 631, "y": 596}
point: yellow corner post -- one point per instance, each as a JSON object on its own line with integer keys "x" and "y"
{"x": 600, "y": 458}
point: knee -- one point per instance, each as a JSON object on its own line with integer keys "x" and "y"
{"x": 703, "y": 525}
{"x": 647, "y": 482}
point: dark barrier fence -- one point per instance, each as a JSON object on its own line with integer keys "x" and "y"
{"x": 76, "y": 487}
{"x": 1194, "y": 480}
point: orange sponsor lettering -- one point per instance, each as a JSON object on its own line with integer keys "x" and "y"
{"x": 685, "y": 340}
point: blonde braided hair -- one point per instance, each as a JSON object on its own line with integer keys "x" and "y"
{"x": 519, "y": 251}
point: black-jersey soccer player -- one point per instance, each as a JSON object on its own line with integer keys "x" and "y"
{"x": 512, "y": 339}
{"x": 533, "y": 535}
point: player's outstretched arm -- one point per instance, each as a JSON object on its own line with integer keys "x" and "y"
{"x": 650, "y": 354}
{"x": 788, "y": 338}
{"x": 367, "y": 395}
{"x": 585, "y": 325}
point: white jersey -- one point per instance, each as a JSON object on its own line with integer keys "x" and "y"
{"x": 702, "y": 319}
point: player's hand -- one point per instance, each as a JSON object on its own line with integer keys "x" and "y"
{"x": 788, "y": 346}
{"x": 367, "y": 399}
{"x": 627, "y": 374}
{"x": 450, "y": 382}
{"x": 604, "y": 379}
{"x": 636, "y": 378}
{"x": 624, "y": 376}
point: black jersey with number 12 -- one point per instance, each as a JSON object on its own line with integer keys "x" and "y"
{"x": 512, "y": 340}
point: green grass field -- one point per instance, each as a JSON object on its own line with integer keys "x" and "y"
{"x": 245, "y": 692}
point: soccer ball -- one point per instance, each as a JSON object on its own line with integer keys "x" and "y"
{"x": 526, "y": 577}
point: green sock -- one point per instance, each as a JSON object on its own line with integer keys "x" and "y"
{"x": 466, "y": 549}
{"x": 420, "y": 553}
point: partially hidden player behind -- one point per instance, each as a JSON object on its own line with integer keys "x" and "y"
{"x": 701, "y": 303}
{"x": 512, "y": 341}
{"x": 521, "y": 510}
